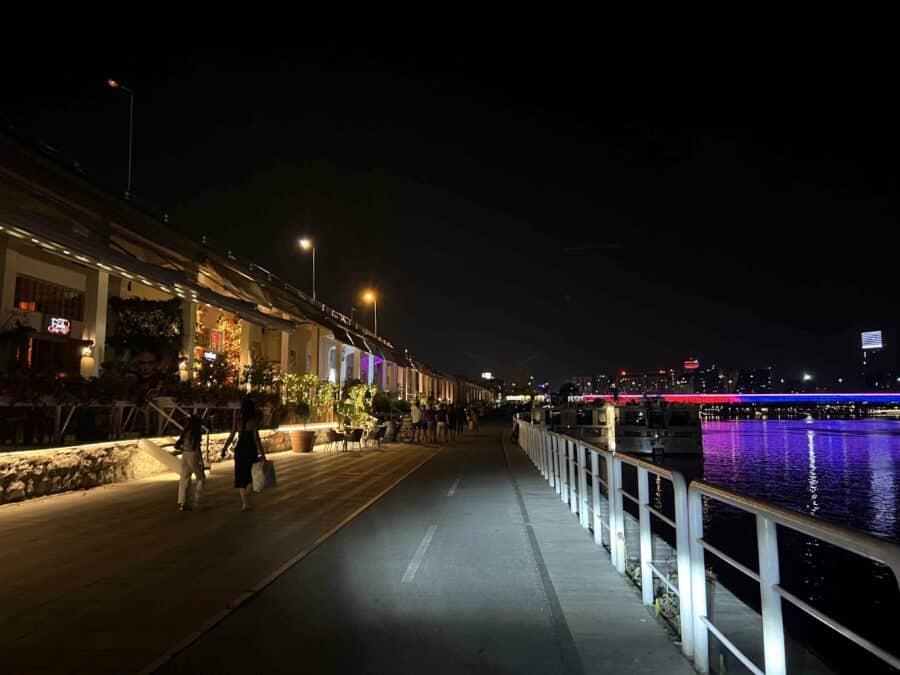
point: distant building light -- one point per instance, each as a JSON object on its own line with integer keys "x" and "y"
{"x": 872, "y": 339}
{"x": 487, "y": 375}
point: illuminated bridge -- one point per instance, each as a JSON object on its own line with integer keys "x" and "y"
{"x": 860, "y": 398}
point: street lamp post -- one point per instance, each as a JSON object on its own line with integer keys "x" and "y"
{"x": 118, "y": 85}
{"x": 369, "y": 296}
{"x": 307, "y": 244}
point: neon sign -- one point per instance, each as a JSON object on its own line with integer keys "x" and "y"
{"x": 59, "y": 326}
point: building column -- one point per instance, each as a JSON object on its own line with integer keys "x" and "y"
{"x": 313, "y": 351}
{"x": 285, "y": 350}
{"x": 7, "y": 278}
{"x": 96, "y": 298}
{"x": 245, "y": 347}
{"x": 357, "y": 361}
{"x": 340, "y": 364}
{"x": 188, "y": 333}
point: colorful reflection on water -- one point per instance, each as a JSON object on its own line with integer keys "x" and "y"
{"x": 846, "y": 471}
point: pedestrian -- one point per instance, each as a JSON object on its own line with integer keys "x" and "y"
{"x": 430, "y": 425}
{"x": 441, "y": 423}
{"x": 460, "y": 420}
{"x": 190, "y": 443}
{"x": 416, "y": 418}
{"x": 247, "y": 452}
{"x": 451, "y": 420}
{"x": 473, "y": 419}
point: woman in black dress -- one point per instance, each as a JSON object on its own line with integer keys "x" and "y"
{"x": 247, "y": 452}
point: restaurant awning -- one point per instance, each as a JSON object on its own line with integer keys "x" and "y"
{"x": 81, "y": 250}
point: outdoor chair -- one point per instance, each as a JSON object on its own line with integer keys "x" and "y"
{"x": 335, "y": 439}
{"x": 355, "y": 436}
{"x": 376, "y": 436}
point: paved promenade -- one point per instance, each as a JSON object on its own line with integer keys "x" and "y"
{"x": 469, "y": 564}
{"x": 106, "y": 581}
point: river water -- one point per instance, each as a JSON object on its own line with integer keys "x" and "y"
{"x": 845, "y": 471}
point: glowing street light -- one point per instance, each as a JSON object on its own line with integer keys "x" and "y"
{"x": 118, "y": 85}
{"x": 369, "y": 296}
{"x": 807, "y": 377}
{"x": 307, "y": 245}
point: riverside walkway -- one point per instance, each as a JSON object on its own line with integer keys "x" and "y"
{"x": 468, "y": 562}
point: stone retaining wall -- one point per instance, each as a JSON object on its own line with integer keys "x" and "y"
{"x": 36, "y": 473}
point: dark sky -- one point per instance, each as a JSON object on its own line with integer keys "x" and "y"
{"x": 547, "y": 215}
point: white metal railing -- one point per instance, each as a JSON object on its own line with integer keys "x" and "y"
{"x": 563, "y": 461}
{"x": 570, "y": 464}
{"x": 768, "y": 518}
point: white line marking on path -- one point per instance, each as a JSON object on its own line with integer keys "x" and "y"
{"x": 453, "y": 489}
{"x": 418, "y": 557}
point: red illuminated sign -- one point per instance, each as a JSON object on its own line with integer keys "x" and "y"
{"x": 693, "y": 364}
{"x": 59, "y": 326}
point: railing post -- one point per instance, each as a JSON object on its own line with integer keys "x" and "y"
{"x": 553, "y": 441}
{"x": 683, "y": 557}
{"x": 525, "y": 435}
{"x": 643, "y": 477}
{"x": 545, "y": 458}
{"x": 616, "y": 510}
{"x": 573, "y": 476}
{"x": 558, "y": 449}
{"x": 563, "y": 469}
{"x": 545, "y": 465}
{"x": 582, "y": 487}
{"x": 773, "y": 627}
{"x": 698, "y": 581}
{"x": 611, "y": 511}
{"x": 595, "y": 497}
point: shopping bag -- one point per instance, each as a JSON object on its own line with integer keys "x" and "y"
{"x": 263, "y": 474}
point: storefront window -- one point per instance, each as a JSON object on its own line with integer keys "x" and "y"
{"x": 34, "y": 295}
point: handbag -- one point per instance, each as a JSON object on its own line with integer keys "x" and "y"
{"x": 263, "y": 475}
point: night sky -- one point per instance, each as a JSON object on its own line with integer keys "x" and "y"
{"x": 552, "y": 215}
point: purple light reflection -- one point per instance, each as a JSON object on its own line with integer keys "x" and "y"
{"x": 846, "y": 471}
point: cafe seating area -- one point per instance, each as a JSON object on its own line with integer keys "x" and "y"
{"x": 349, "y": 439}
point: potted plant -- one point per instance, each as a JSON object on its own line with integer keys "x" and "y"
{"x": 298, "y": 393}
{"x": 302, "y": 440}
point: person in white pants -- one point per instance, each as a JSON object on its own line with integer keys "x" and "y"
{"x": 191, "y": 461}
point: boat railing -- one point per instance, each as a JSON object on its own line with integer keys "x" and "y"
{"x": 571, "y": 464}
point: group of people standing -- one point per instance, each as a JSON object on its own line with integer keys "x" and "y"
{"x": 440, "y": 423}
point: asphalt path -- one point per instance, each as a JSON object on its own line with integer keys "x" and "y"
{"x": 440, "y": 575}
